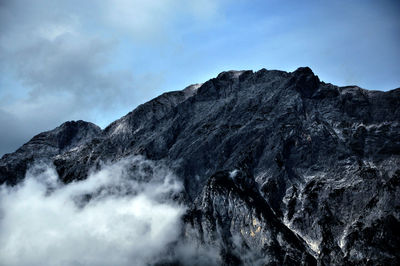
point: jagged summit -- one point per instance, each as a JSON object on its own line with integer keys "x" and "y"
{"x": 317, "y": 165}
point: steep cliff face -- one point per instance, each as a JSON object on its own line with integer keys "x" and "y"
{"x": 293, "y": 169}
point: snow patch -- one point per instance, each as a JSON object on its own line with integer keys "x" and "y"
{"x": 233, "y": 174}
{"x": 342, "y": 240}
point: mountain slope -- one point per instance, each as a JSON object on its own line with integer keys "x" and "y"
{"x": 318, "y": 164}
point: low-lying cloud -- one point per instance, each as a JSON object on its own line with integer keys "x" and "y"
{"x": 122, "y": 214}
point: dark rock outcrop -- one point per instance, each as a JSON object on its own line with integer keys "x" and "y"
{"x": 70, "y": 136}
{"x": 278, "y": 167}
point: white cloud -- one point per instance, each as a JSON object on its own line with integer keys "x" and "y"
{"x": 121, "y": 215}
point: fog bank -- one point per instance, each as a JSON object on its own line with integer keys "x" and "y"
{"x": 122, "y": 214}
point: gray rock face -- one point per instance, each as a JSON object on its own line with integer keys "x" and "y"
{"x": 278, "y": 168}
{"x": 45, "y": 146}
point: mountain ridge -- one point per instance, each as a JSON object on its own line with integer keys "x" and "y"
{"x": 324, "y": 159}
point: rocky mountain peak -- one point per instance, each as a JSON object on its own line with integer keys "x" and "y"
{"x": 282, "y": 166}
{"x": 73, "y": 133}
{"x": 46, "y": 145}
{"x": 305, "y": 81}
{"x": 68, "y": 135}
{"x": 303, "y": 71}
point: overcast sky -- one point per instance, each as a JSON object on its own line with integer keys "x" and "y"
{"x": 97, "y": 60}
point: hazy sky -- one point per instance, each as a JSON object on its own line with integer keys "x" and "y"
{"x": 97, "y": 60}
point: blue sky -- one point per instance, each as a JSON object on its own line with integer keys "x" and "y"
{"x": 97, "y": 60}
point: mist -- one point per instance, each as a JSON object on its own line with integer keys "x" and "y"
{"x": 122, "y": 214}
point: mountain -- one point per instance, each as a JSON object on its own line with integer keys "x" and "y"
{"x": 278, "y": 168}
